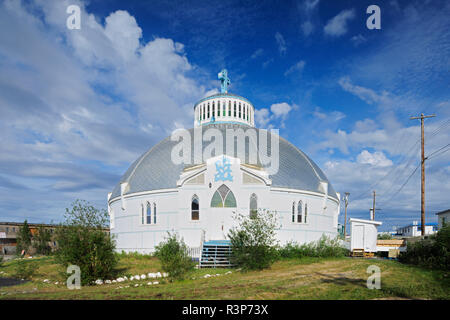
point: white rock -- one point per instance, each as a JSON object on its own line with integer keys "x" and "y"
{"x": 136, "y": 285}
{"x": 56, "y": 282}
{"x": 125, "y": 278}
{"x": 158, "y": 275}
{"x": 207, "y": 275}
{"x": 98, "y": 281}
{"x": 137, "y": 277}
{"x": 46, "y": 281}
{"x": 143, "y": 276}
{"x": 114, "y": 281}
{"x": 131, "y": 278}
{"x": 165, "y": 274}
{"x": 120, "y": 279}
{"x": 149, "y": 283}
{"x": 155, "y": 282}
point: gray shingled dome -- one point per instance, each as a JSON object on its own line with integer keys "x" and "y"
{"x": 154, "y": 170}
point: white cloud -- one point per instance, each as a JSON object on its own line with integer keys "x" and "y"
{"x": 280, "y": 109}
{"x": 376, "y": 158}
{"x": 259, "y": 52}
{"x": 281, "y": 43}
{"x": 337, "y": 26}
{"x": 296, "y": 68}
{"x": 277, "y": 111}
{"x": 309, "y": 16}
{"x": 358, "y": 39}
{"x": 262, "y": 117}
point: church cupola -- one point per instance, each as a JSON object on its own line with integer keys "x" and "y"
{"x": 224, "y": 107}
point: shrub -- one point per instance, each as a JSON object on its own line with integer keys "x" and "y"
{"x": 433, "y": 252}
{"x": 1, "y": 260}
{"x": 82, "y": 242}
{"x": 174, "y": 258}
{"x": 322, "y": 248}
{"x": 253, "y": 240}
{"x": 24, "y": 269}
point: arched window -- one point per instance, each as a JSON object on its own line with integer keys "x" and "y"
{"x": 224, "y": 104}
{"x": 240, "y": 110}
{"x": 195, "y": 208}
{"x": 209, "y": 110}
{"x": 142, "y": 214}
{"x": 235, "y": 109}
{"x": 213, "y": 109}
{"x": 299, "y": 212}
{"x": 149, "y": 213}
{"x": 293, "y": 211}
{"x": 253, "y": 206}
{"x": 229, "y": 108}
{"x": 154, "y": 213}
{"x": 306, "y": 211}
{"x": 223, "y": 198}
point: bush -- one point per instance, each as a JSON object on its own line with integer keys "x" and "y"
{"x": 253, "y": 240}
{"x": 82, "y": 242}
{"x": 1, "y": 260}
{"x": 174, "y": 258}
{"x": 433, "y": 252}
{"x": 24, "y": 269}
{"x": 322, "y": 248}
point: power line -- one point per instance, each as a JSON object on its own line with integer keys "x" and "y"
{"x": 436, "y": 155}
{"x": 403, "y": 185}
{"x": 433, "y": 153}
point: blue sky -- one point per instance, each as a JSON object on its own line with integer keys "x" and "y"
{"x": 78, "y": 106}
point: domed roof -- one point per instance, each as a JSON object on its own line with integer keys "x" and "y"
{"x": 154, "y": 170}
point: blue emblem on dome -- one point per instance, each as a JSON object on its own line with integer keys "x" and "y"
{"x": 223, "y": 170}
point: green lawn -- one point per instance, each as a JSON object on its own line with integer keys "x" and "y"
{"x": 337, "y": 278}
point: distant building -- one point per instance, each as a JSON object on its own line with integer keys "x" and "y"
{"x": 10, "y": 230}
{"x": 415, "y": 229}
{"x": 443, "y": 218}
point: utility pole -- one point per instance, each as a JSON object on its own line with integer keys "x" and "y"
{"x": 345, "y": 221}
{"x": 373, "y": 207}
{"x": 422, "y": 117}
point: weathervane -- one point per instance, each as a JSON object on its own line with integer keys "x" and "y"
{"x": 225, "y": 81}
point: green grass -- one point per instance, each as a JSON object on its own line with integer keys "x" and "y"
{"x": 307, "y": 278}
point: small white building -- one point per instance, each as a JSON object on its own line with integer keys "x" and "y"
{"x": 443, "y": 217}
{"x": 363, "y": 234}
{"x": 415, "y": 229}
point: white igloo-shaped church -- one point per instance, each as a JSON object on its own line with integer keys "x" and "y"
{"x": 196, "y": 199}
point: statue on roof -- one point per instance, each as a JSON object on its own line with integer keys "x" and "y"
{"x": 225, "y": 81}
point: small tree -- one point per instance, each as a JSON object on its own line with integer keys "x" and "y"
{"x": 23, "y": 238}
{"x": 42, "y": 239}
{"x": 174, "y": 257}
{"x": 253, "y": 241}
{"x": 82, "y": 241}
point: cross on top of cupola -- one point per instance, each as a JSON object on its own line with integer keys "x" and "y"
{"x": 224, "y": 80}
